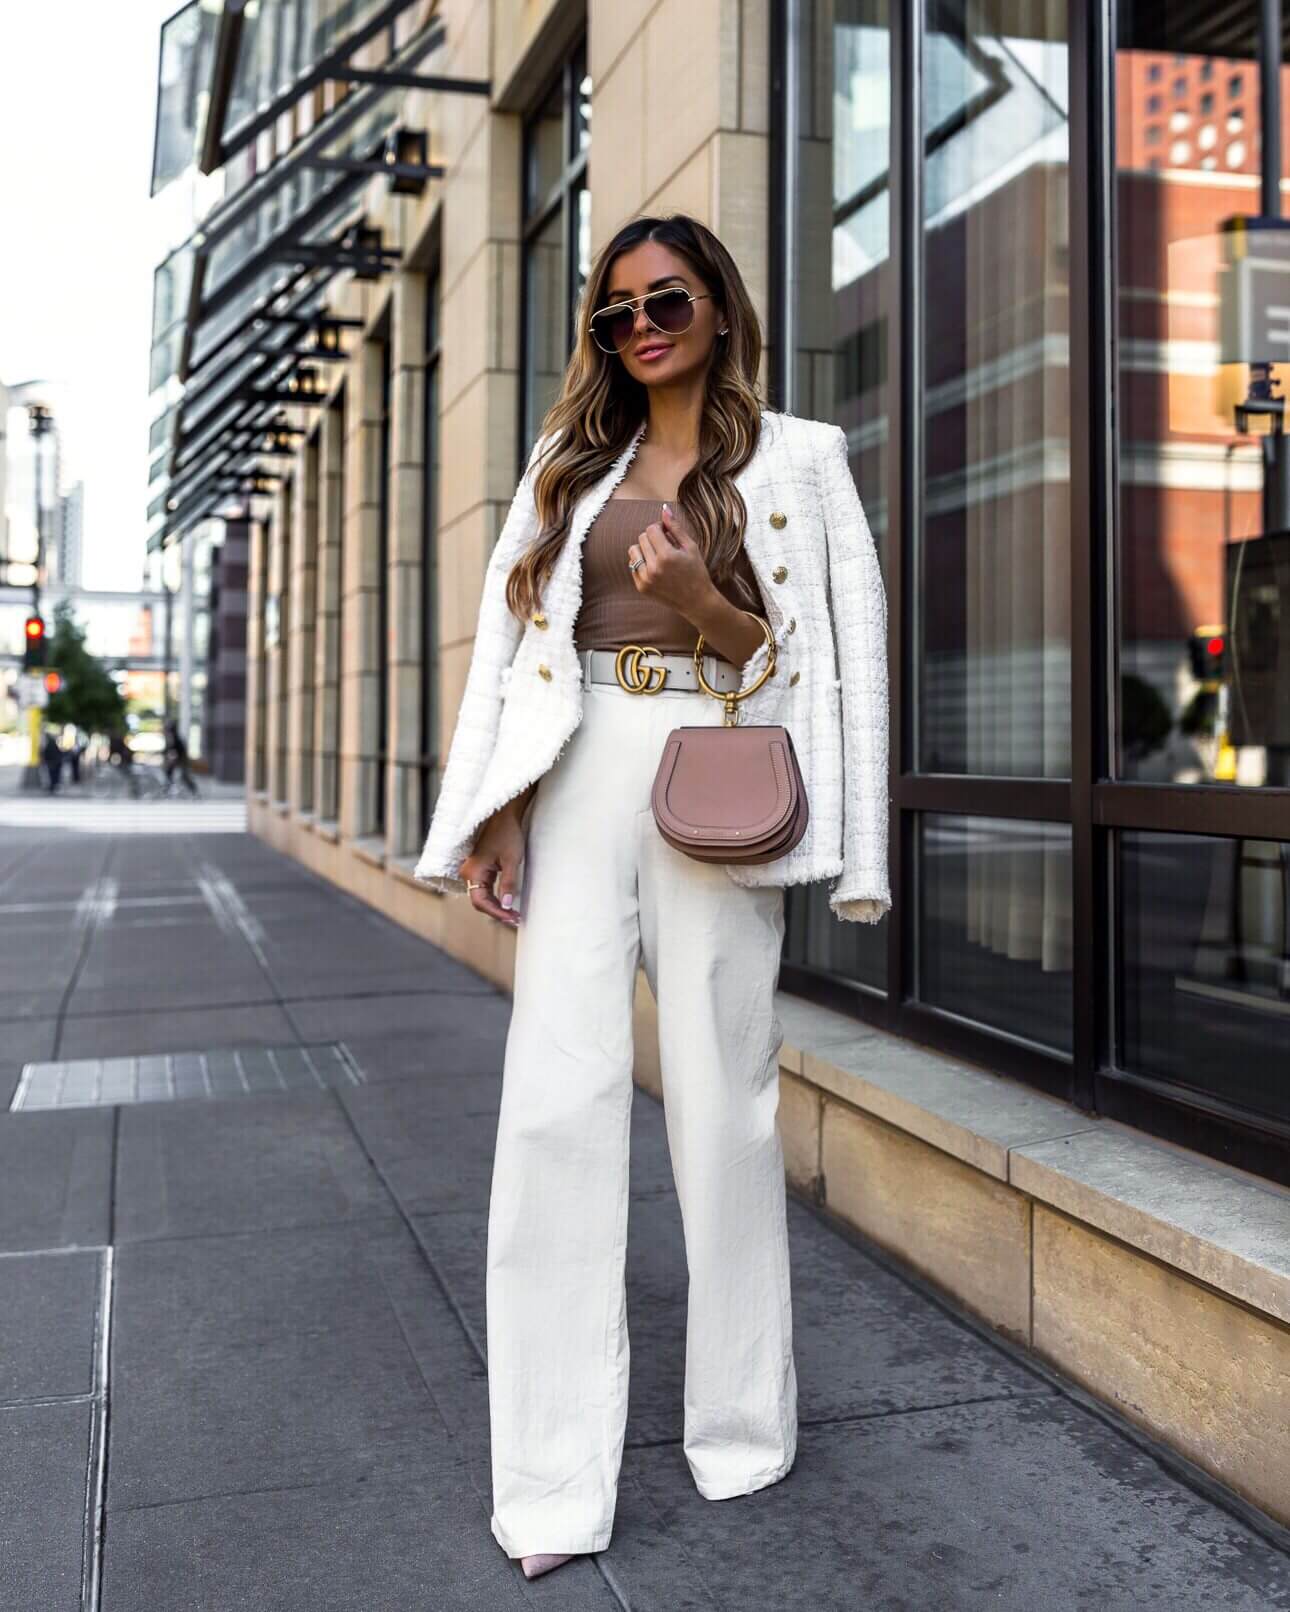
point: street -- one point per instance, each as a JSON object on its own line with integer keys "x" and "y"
{"x": 246, "y": 1130}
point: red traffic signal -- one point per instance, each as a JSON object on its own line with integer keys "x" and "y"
{"x": 33, "y": 647}
{"x": 54, "y": 682}
{"x": 1207, "y": 648}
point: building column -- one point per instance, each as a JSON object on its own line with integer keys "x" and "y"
{"x": 407, "y": 489}
{"x": 228, "y": 698}
{"x": 256, "y": 738}
{"x": 327, "y": 657}
{"x": 360, "y": 596}
{"x": 275, "y": 655}
{"x": 300, "y": 645}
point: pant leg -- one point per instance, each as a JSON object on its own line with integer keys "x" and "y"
{"x": 558, "y": 1349}
{"x": 712, "y": 951}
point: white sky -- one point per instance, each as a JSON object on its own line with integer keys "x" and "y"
{"x": 79, "y": 239}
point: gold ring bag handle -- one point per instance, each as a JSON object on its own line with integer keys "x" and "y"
{"x": 730, "y": 793}
{"x": 730, "y": 697}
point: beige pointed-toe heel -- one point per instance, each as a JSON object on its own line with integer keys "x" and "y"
{"x": 533, "y": 1565}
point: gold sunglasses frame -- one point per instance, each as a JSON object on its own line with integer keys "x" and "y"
{"x": 639, "y": 302}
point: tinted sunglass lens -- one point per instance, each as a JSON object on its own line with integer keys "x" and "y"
{"x": 613, "y": 331}
{"x": 671, "y": 311}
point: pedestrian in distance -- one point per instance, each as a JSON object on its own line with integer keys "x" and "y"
{"x": 120, "y": 754}
{"x": 177, "y": 757}
{"x": 51, "y": 753}
{"x": 668, "y": 531}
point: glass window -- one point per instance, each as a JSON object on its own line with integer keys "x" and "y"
{"x": 1206, "y": 966}
{"x": 993, "y": 576}
{"x": 382, "y": 740}
{"x": 994, "y": 918}
{"x": 430, "y": 708}
{"x": 545, "y": 140}
{"x": 1203, "y": 550}
{"x": 545, "y": 315}
{"x": 557, "y": 235}
{"x": 846, "y": 309}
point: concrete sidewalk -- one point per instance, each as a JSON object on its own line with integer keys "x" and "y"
{"x": 242, "y": 1308}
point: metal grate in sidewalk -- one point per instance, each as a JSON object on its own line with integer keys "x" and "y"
{"x": 170, "y": 1076}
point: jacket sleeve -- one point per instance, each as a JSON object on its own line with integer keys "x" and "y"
{"x": 862, "y": 891}
{"x": 497, "y": 636}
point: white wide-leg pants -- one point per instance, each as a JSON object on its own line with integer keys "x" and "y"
{"x": 600, "y": 888}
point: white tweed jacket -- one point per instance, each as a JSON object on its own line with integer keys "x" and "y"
{"x": 809, "y": 544}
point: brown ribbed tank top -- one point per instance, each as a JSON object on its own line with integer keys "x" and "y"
{"x": 613, "y": 612}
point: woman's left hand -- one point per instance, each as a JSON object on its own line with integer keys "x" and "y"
{"x": 674, "y": 569}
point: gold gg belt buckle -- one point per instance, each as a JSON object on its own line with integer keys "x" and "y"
{"x": 630, "y": 663}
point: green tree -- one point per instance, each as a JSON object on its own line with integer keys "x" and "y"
{"x": 88, "y": 698}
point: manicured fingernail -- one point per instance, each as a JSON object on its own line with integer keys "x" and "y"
{"x": 507, "y": 900}
{"x": 668, "y": 508}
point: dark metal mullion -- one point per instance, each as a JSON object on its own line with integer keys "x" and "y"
{"x": 779, "y": 244}
{"x": 1091, "y": 380}
{"x": 1045, "y": 800}
{"x": 1227, "y": 812}
{"x": 904, "y": 493}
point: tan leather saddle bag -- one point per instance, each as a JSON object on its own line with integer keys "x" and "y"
{"x": 730, "y": 793}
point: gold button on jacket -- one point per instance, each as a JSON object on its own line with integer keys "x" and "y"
{"x": 539, "y": 620}
{"x": 544, "y": 671}
{"x": 779, "y": 573}
{"x": 778, "y": 519}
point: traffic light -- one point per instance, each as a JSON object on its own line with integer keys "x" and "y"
{"x": 33, "y": 646}
{"x": 53, "y": 682}
{"x": 1207, "y": 648}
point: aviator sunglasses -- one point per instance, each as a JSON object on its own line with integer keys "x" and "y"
{"x": 670, "y": 311}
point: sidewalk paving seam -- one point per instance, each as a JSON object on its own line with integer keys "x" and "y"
{"x": 88, "y": 931}
{"x": 100, "y": 1420}
{"x": 1170, "y": 1461}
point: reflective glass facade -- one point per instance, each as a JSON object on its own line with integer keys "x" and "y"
{"x": 1049, "y": 331}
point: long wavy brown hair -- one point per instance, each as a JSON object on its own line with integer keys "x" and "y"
{"x": 601, "y": 404}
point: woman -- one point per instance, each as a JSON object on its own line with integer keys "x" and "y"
{"x": 662, "y": 501}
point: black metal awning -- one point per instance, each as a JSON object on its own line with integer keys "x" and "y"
{"x": 238, "y": 309}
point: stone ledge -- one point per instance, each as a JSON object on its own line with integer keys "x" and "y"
{"x": 369, "y": 848}
{"x": 326, "y": 829}
{"x": 400, "y": 867}
{"x": 1229, "y": 1231}
{"x": 1216, "y": 1225}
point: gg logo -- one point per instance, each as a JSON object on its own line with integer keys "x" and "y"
{"x": 632, "y": 672}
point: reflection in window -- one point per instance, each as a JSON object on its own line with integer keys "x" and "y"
{"x": 994, "y": 582}
{"x": 1207, "y": 966}
{"x": 1203, "y": 547}
{"x": 995, "y": 924}
{"x": 846, "y": 308}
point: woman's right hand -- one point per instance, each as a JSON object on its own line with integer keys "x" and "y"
{"x": 499, "y": 850}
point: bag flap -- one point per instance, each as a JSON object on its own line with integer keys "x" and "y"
{"x": 724, "y": 783}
